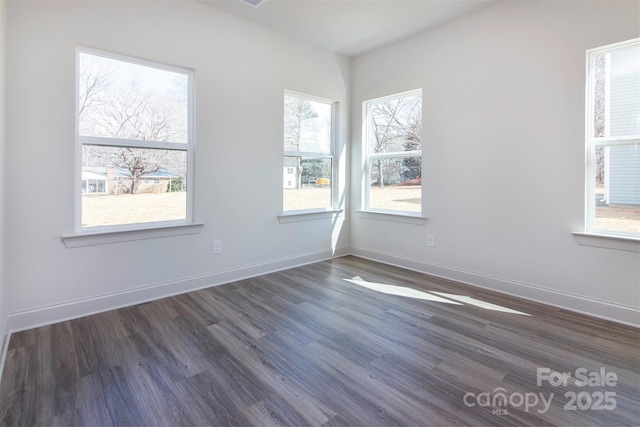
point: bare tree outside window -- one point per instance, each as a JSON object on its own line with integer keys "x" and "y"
{"x": 394, "y": 151}
{"x": 308, "y": 153}
{"x": 599, "y": 115}
{"x": 133, "y": 125}
{"x": 297, "y": 112}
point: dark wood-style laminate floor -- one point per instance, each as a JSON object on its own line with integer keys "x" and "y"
{"x": 305, "y": 347}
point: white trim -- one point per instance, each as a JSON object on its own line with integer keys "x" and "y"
{"x": 590, "y": 150}
{"x": 616, "y": 140}
{"x": 308, "y": 215}
{"x": 367, "y": 156}
{"x": 77, "y": 165}
{"x": 391, "y": 154}
{"x": 314, "y": 98}
{"x": 5, "y": 337}
{"x": 591, "y": 235}
{"x": 132, "y": 143}
{"x": 103, "y": 236}
{"x": 607, "y": 241}
{"x": 607, "y": 177}
{"x": 394, "y": 216}
{"x": 608, "y": 47}
{"x": 282, "y": 217}
{"x": 308, "y": 155}
{"x": 619, "y": 313}
{"x": 191, "y": 137}
{"x": 134, "y": 60}
{"x": 80, "y": 140}
{"x": 411, "y": 92}
{"x": 607, "y": 96}
{"x": 41, "y": 316}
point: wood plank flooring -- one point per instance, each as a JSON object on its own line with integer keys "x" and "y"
{"x": 305, "y": 347}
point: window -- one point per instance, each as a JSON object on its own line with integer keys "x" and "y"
{"x": 308, "y": 153}
{"x": 134, "y": 138}
{"x": 613, "y": 139}
{"x": 93, "y": 186}
{"x": 393, "y": 146}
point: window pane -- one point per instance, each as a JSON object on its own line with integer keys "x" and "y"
{"x": 122, "y": 100}
{"x": 396, "y": 184}
{"x": 395, "y": 124}
{"x": 306, "y": 183}
{"x": 130, "y": 185}
{"x": 598, "y": 96}
{"x": 625, "y": 91}
{"x": 614, "y": 171}
{"x": 617, "y": 184}
{"x": 307, "y": 125}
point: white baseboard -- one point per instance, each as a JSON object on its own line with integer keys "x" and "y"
{"x": 41, "y": 316}
{"x": 32, "y": 318}
{"x": 5, "y": 336}
{"x": 602, "y": 309}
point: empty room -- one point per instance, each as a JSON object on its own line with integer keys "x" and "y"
{"x": 320, "y": 212}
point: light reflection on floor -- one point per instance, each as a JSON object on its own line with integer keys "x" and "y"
{"x": 442, "y": 297}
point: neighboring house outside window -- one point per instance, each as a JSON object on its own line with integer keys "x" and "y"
{"x": 93, "y": 182}
{"x": 393, "y": 147}
{"x": 134, "y": 136}
{"x": 112, "y": 181}
{"x": 613, "y": 139}
{"x": 308, "y": 167}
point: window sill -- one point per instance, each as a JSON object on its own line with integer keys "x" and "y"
{"x": 102, "y": 237}
{"x": 403, "y": 217}
{"x": 607, "y": 241}
{"x": 308, "y": 215}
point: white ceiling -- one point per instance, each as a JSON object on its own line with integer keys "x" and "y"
{"x": 350, "y": 27}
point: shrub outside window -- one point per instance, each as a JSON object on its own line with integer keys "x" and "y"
{"x": 613, "y": 139}
{"x": 393, "y": 146}
{"x": 135, "y": 143}
{"x": 308, "y": 153}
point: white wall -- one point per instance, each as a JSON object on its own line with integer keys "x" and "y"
{"x": 242, "y": 71}
{"x": 504, "y": 143}
{"x": 503, "y": 106}
{"x": 4, "y": 317}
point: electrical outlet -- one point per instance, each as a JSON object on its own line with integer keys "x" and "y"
{"x": 431, "y": 240}
{"x": 217, "y": 247}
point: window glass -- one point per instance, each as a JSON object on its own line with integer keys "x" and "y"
{"x": 392, "y": 186}
{"x": 138, "y": 185}
{"x": 308, "y": 153}
{"x": 133, "y": 128}
{"x": 124, "y": 100}
{"x": 613, "y": 199}
{"x": 394, "y": 153}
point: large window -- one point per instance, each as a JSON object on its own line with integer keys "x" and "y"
{"x": 613, "y": 139}
{"x": 134, "y": 137}
{"x": 393, "y": 145}
{"x": 308, "y": 153}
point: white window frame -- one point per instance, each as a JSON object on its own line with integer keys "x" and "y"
{"x": 591, "y": 143}
{"x": 332, "y": 208}
{"x": 187, "y": 147}
{"x": 368, "y": 156}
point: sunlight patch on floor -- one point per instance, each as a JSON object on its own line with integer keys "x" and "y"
{"x": 447, "y": 298}
{"x": 479, "y": 303}
{"x": 402, "y": 291}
